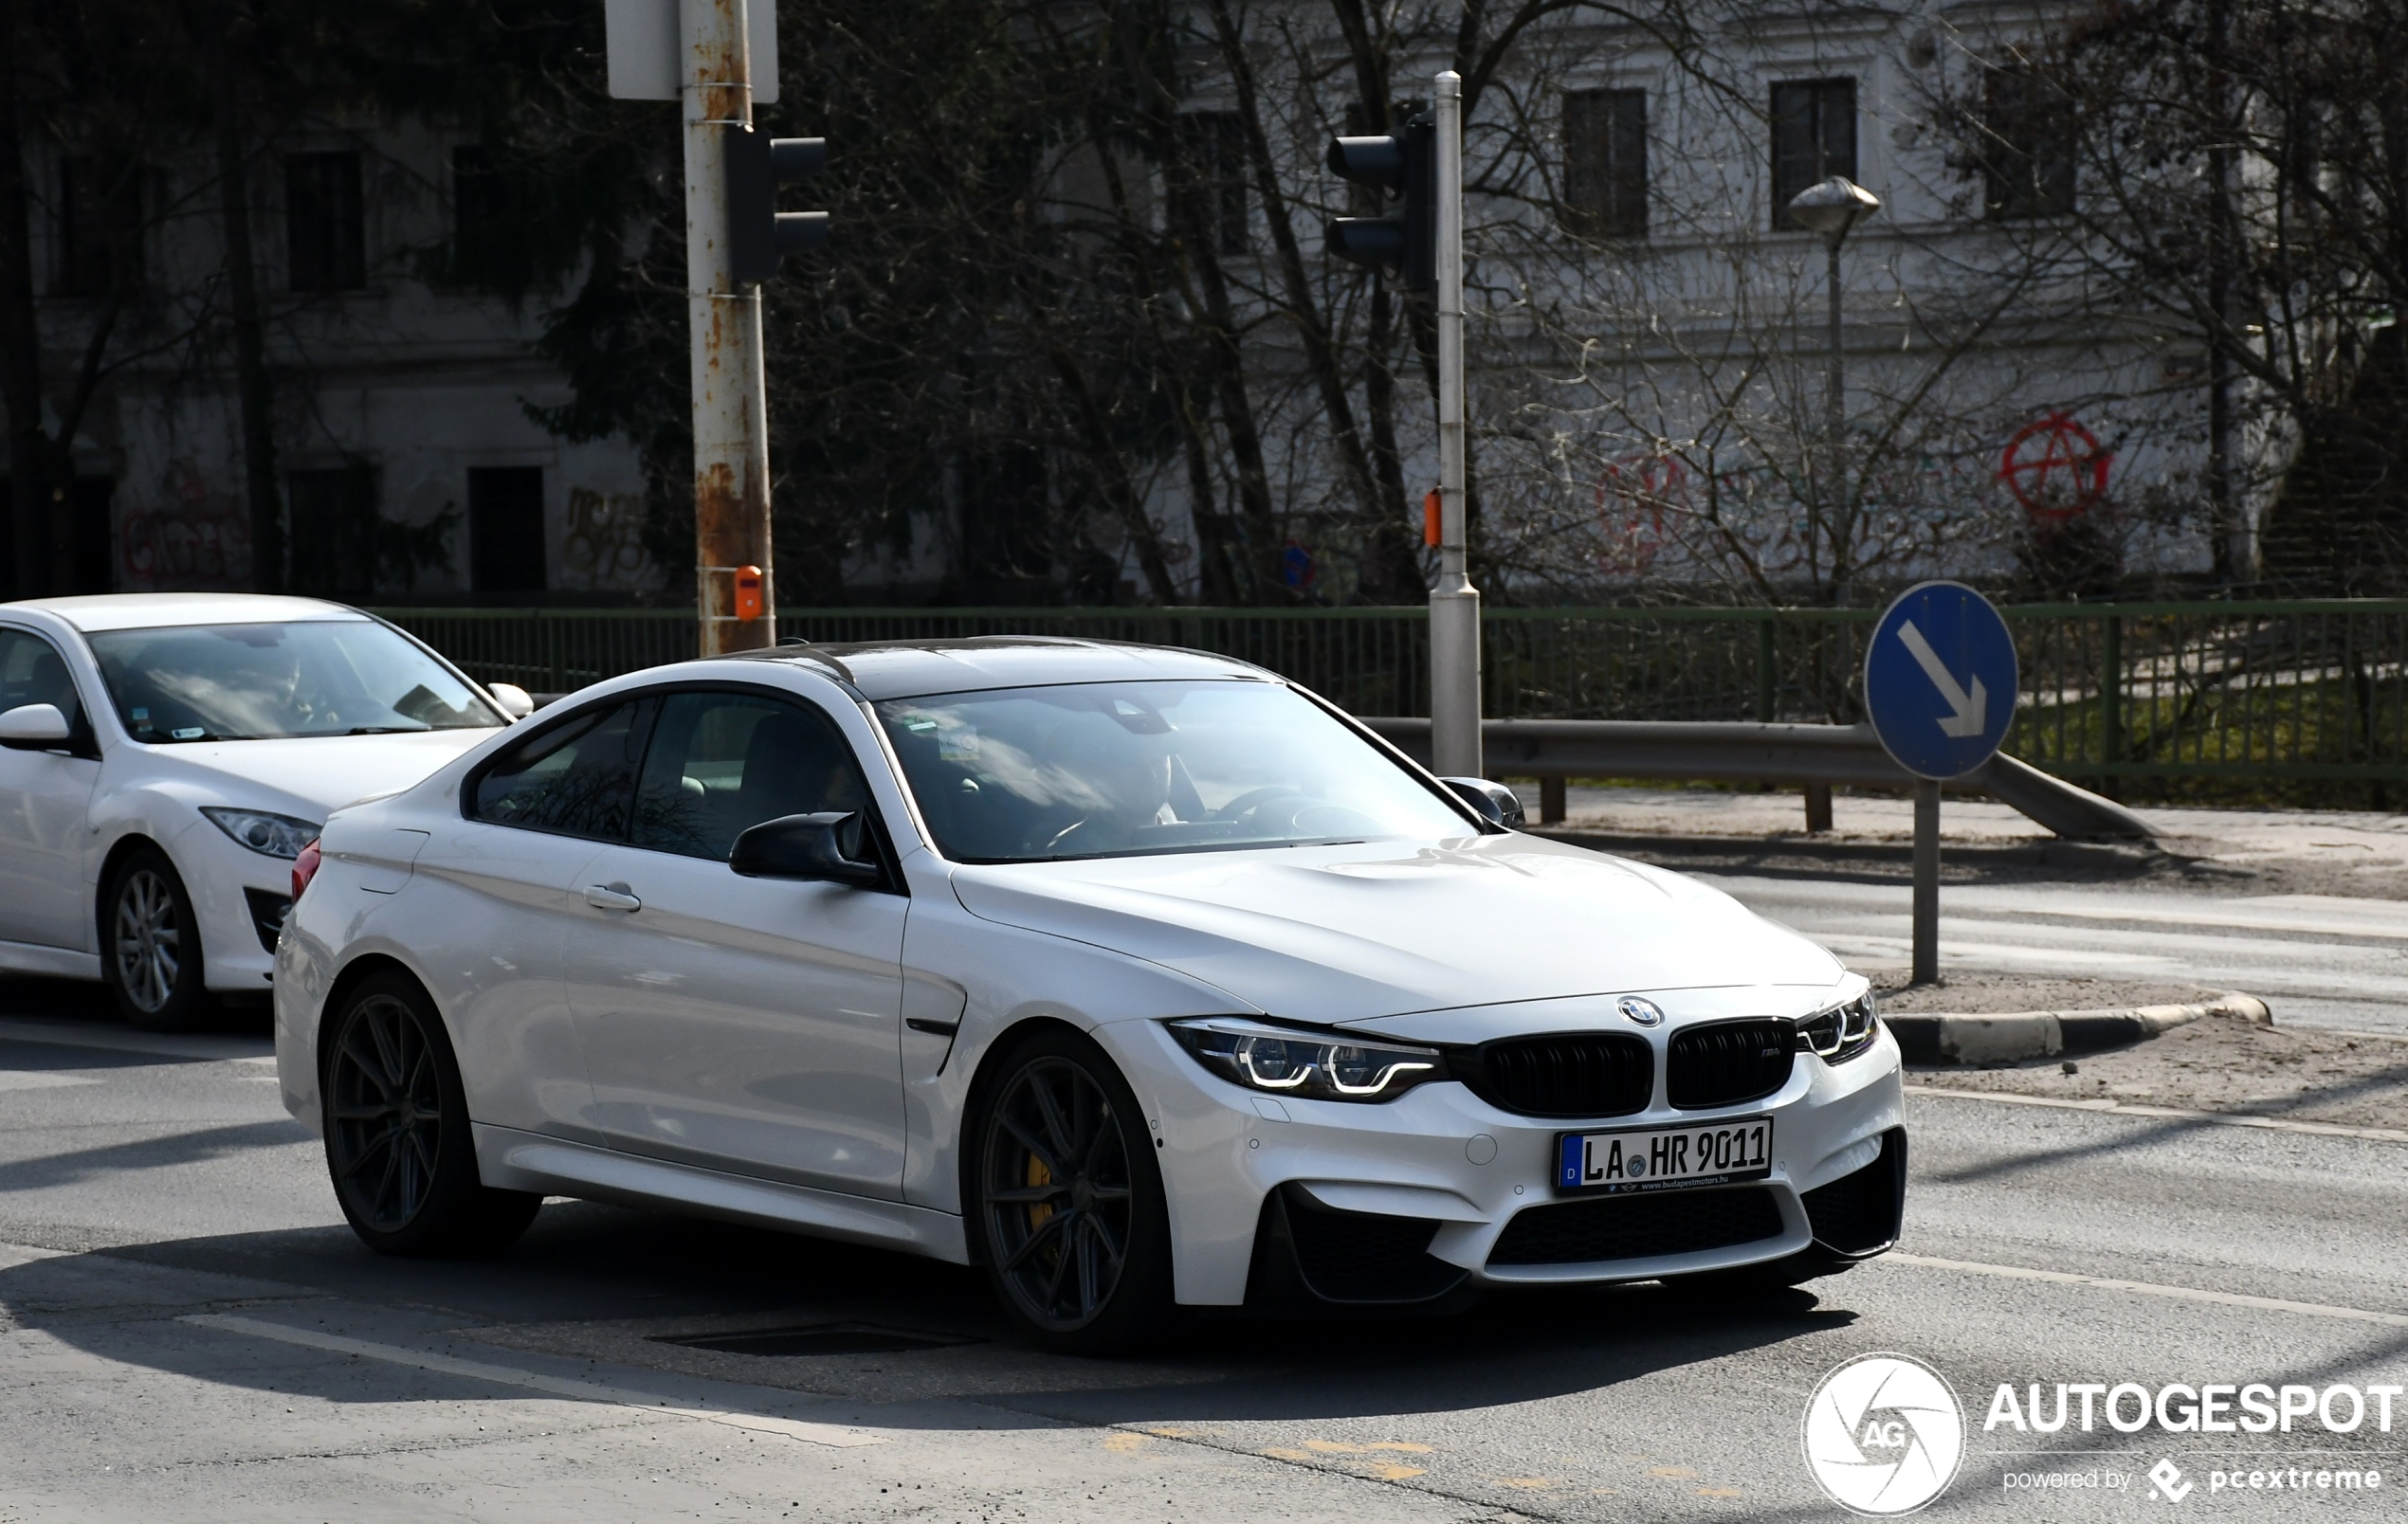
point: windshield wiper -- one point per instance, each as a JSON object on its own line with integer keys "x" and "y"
{"x": 386, "y": 729}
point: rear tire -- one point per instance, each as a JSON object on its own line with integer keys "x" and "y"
{"x": 1066, "y": 1209}
{"x": 396, "y": 1124}
{"x": 151, "y": 945}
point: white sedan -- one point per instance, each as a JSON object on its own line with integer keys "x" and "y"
{"x": 164, "y": 758}
{"x": 1143, "y": 978}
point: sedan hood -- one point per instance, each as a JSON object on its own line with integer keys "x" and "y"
{"x": 1340, "y": 934}
{"x": 316, "y": 775}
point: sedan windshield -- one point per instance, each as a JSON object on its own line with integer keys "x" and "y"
{"x": 256, "y": 683}
{"x": 1117, "y": 769}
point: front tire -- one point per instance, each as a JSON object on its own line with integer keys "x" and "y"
{"x": 1065, "y": 1199}
{"x": 396, "y": 1126}
{"x": 151, "y": 945}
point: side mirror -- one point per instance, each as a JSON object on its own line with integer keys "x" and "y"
{"x": 1497, "y": 804}
{"x": 802, "y": 846}
{"x": 516, "y": 702}
{"x": 33, "y": 728}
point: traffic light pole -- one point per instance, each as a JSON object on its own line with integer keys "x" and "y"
{"x": 731, "y": 422}
{"x": 1454, "y": 603}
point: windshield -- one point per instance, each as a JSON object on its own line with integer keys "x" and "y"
{"x": 256, "y": 683}
{"x": 1116, "y": 769}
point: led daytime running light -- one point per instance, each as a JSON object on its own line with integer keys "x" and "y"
{"x": 1295, "y": 1063}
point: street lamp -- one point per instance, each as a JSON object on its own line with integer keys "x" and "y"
{"x": 1832, "y": 207}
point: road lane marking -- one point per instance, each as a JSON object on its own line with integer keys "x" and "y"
{"x": 2123, "y": 1108}
{"x": 2149, "y": 1288}
{"x": 35, "y": 1079}
{"x": 590, "y": 1391}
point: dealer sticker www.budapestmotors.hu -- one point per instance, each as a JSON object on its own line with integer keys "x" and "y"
{"x": 1883, "y": 1435}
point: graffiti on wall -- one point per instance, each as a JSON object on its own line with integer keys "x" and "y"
{"x": 190, "y": 539}
{"x": 603, "y": 544}
{"x": 2056, "y": 468}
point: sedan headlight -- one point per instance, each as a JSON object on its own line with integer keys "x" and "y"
{"x": 277, "y": 836}
{"x": 1315, "y": 1065}
{"x": 1842, "y": 1032}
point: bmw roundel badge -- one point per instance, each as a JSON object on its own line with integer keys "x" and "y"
{"x": 1645, "y": 1012}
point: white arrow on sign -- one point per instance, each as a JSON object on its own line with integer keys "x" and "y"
{"x": 1970, "y": 707}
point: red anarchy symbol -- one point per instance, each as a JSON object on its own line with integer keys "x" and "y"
{"x": 2056, "y": 468}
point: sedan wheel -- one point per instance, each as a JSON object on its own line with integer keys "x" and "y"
{"x": 153, "y": 963}
{"x": 397, "y": 1139}
{"x": 1070, "y": 1201}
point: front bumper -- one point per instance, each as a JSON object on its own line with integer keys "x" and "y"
{"x": 239, "y": 898}
{"x": 1239, "y": 1167}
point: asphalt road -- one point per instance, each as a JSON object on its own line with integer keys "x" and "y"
{"x": 187, "y": 1332}
{"x": 2319, "y": 960}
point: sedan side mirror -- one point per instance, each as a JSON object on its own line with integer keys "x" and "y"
{"x": 33, "y": 728}
{"x": 800, "y": 847}
{"x": 1497, "y": 804}
{"x": 516, "y": 702}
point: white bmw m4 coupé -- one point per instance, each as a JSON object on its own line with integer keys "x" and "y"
{"x": 1141, "y": 977}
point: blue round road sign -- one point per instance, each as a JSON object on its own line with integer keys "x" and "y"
{"x": 1940, "y": 680}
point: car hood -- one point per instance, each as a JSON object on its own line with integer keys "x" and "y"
{"x": 313, "y": 775}
{"x": 1342, "y": 933}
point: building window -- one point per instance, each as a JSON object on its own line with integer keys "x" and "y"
{"x": 506, "y": 529}
{"x": 333, "y": 513}
{"x": 2027, "y": 146}
{"x": 99, "y": 229}
{"x": 1813, "y": 138}
{"x": 1605, "y": 163}
{"x": 325, "y": 228}
{"x": 1215, "y": 154}
{"x": 486, "y": 250}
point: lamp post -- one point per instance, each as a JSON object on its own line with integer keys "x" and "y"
{"x": 1832, "y": 208}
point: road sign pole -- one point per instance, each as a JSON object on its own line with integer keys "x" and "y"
{"x": 1926, "y": 913}
{"x": 1454, "y": 603}
{"x": 731, "y": 423}
{"x": 1941, "y": 679}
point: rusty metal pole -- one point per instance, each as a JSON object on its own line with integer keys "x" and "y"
{"x": 731, "y": 411}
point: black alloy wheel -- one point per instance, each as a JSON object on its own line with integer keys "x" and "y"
{"x": 1068, "y": 1200}
{"x": 397, "y": 1141}
{"x": 151, "y": 945}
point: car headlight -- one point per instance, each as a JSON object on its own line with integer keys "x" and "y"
{"x": 1842, "y": 1032}
{"x": 1315, "y": 1065}
{"x": 277, "y": 836}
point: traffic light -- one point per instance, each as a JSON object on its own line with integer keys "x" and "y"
{"x": 1406, "y": 164}
{"x": 758, "y": 233}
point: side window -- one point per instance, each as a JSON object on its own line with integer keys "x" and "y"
{"x": 34, "y": 672}
{"x": 576, "y": 778}
{"x": 721, "y": 762}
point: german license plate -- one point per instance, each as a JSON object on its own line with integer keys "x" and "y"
{"x": 1665, "y": 1158}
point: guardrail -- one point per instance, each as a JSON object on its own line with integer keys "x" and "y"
{"x": 1746, "y": 752}
{"x": 2290, "y": 701}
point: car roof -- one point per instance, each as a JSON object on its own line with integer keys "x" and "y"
{"x": 156, "y": 610}
{"x": 910, "y": 668}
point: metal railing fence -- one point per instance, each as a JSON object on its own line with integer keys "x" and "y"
{"x": 2270, "y": 701}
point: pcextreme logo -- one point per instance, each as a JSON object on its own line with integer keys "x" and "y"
{"x": 1883, "y": 1435}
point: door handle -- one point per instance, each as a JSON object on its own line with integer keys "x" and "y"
{"x": 611, "y": 897}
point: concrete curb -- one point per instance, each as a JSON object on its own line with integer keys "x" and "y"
{"x": 2042, "y": 1034}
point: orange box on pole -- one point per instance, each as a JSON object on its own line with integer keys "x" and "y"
{"x": 749, "y": 602}
{"x": 1429, "y": 530}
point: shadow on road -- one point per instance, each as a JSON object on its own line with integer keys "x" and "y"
{"x": 588, "y": 1273}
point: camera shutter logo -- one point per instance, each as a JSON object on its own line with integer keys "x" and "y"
{"x": 1883, "y": 1435}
